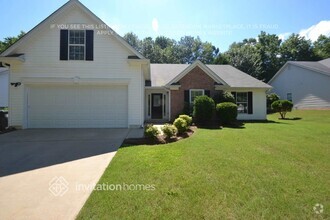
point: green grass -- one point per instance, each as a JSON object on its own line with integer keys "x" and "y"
{"x": 276, "y": 170}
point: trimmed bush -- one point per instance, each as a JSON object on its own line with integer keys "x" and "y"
{"x": 187, "y": 108}
{"x": 282, "y": 107}
{"x": 151, "y": 131}
{"x": 223, "y": 96}
{"x": 187, "y": 118}
{"x": 270, "y": 99}
{"x": 203, "y": 108}
{"x": 169, "y": 130}
{"x": 226, "y": 112}
{"x": 181, "y": 125}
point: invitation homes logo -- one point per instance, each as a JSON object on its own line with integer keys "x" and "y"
{"x": 59, "y": 186}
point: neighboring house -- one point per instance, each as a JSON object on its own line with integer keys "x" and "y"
{"x": 4, "y": 81}
{"x": 306, "y": 84}
{"x": 72, "y": 71}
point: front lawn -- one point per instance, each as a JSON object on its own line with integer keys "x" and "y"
{"x": 275, "y": 170}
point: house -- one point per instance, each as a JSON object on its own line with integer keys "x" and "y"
{"x": 306, "y": 84}
{"x": 73, "y": 71}
{"x": 4, "y": 81}
{"x": 173, "y": 85}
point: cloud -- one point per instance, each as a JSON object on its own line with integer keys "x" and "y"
{"x": 155, "y": 25}
{"x": 284, "y": 36}
{"x": 313, "y": 32}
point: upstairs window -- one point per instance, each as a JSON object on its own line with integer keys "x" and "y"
{"x": 76, "y": 45}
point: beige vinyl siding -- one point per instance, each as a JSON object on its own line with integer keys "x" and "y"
{"x": 42, "y": 60}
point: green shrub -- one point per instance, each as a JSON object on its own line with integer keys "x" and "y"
{"x": 270, "y": 99}
{"x": 169, "y": 130}
{"x": 226, "y": 112}
{"x": 282, "y": 107}
{"x": 181, "y": 125}
{"x": 223, "y": 96}
{"x": 151, "y": 131}
{"x": 203, "y": 108}
{"x": 187, "y": 108}
{"x": 187, "y": 118}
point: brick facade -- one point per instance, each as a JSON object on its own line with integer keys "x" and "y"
{"x": 195, "y": 79}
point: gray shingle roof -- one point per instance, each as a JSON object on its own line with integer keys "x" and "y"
{"x": 161, "y": 74}
{"x": 320, "y": 66}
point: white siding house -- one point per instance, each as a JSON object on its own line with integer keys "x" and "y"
{"x": 105, "y": 89}
{"x": 73, "y": 71}
{"x": 306, "y": 84}
{"x": 4, "y": 81}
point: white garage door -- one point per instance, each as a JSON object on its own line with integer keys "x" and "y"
{"x": 77, "y": 106}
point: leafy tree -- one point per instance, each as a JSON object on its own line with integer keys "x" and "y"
{"x": 133, "y": 40}
{"x": 322, "y": 47}
{"x": 268, "y": 49}
{"x": 244, "y": 56}
{"x": 8, "y": 41}
{"x": 282, "y": 107}
{"x": 296, "y": 48}
{"x": 270, "y": 99}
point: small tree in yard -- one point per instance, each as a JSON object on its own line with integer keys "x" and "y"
{"x": 270, "y": 99}
{"x": 282, "y": 107}
{"x": 203, "y": 108}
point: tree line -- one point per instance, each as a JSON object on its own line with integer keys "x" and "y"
{"x": 259, "y": 57}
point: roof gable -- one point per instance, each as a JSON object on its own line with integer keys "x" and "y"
{"x": 315, "y": 67}
{"x": 198, "y": 63}
{"x": 57, "y": 14}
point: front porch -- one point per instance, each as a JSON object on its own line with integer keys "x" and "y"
{"x": 157, "y": 108}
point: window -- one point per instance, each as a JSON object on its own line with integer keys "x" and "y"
{"x": 194, "y": 93}
{"x": 76, "y": 45}
{"x": 289, "y": 96}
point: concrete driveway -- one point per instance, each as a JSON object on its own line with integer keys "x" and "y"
{"x": 49, "y": 173}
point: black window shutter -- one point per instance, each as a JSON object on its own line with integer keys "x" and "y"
{"x": 89, "y": 44}
{"x": 186, "y": 96}
{"x": 64, "y": 45}
{"x": 250, "y": 103}
{"x": 207, "y": 93}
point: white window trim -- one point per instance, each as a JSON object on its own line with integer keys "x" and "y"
{"x": 195, "y": 90}
{"x": 77, "y": 45}
{"x": 247, "y": 102}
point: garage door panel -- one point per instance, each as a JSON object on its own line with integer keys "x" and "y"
{"x": 77, "y": 106}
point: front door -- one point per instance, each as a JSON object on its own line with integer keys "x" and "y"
{"x": 157, "y": 106}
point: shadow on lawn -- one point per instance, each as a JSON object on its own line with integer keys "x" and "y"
{"x": 240, "y": 124}
{"x": 290, "y": 119}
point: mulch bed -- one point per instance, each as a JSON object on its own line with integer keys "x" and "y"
{"x": 160, "y": 139}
